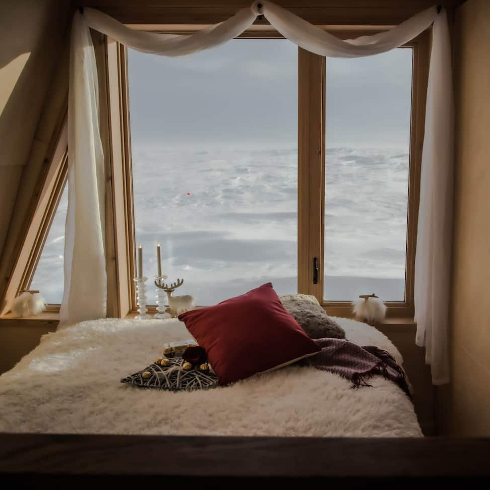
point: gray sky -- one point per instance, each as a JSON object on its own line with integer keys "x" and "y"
{"x": 244, "y": 95}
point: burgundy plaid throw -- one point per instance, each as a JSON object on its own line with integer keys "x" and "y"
{"x": 357, "y": 363}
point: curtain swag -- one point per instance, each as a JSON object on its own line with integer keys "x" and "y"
{"x": 85, "y": 268}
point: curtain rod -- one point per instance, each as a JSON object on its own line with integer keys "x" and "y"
{"x": 260, "y": 16}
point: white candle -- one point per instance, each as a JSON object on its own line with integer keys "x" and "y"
{"x": 140, "y": 261}
{"x": 159, "y": 260}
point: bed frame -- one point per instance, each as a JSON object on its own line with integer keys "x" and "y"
{"x": 75, "y": 461}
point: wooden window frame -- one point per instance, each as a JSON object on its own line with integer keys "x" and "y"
{"x": 53, "y": 200}
{"x": 311, "y": 181}
{"x": 256, "y": 32}
{"x": 48, "y": 194}
{"x": 116, "y": 138}
{"x": 311, "y": 166}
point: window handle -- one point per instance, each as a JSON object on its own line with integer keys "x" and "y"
{"x": 315, "y": 270}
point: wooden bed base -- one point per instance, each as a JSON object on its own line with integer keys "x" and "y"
{"x": 75, "y": 461}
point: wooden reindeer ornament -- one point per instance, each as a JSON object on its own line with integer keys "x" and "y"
{"x": 177, "y": 304}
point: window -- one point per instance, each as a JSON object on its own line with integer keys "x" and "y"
{"x": 250, "y": 163}
{"x": 214, "y": 165}
{"x": 48, "y": 276}
{"x": 254, "y": 161}
{"x": 368, "y": 102}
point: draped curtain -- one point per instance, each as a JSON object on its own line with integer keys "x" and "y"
{"x": 85, "y": 277}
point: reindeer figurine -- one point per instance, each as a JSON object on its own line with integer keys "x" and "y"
{"x": 177, "y": 304}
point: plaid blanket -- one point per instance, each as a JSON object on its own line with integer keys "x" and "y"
{"x": 356, "y": 363}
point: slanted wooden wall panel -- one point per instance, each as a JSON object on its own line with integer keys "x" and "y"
{"x": 32, "y": 107}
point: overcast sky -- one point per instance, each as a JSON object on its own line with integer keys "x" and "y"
{"x": 244, "y": 95}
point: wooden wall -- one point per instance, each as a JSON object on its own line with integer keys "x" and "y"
{"x": 31, "y": 36}
{"x": 403, "y": 337}
{"x": 33, "y": 55}
{"x": 464, "y": 406}
{"x": 18, "y": 338}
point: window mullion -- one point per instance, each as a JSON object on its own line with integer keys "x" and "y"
{"x": 311, "y": 149}
{"x": 115, "y": 136}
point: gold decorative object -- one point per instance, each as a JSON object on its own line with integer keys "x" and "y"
{"x": 146, "y": 374}
{"x": 187, "y": 366}
{"x": 169, "y": 351}
{"x": 204, "y": 366}
{"x": 165, "y": 362}
{"x": 158, "y": 360}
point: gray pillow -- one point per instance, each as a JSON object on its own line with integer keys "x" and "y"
{"x": 311, "y": 316}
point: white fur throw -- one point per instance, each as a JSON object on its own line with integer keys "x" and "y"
{"x": 70, "y": 384}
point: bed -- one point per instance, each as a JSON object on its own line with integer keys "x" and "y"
{"x": 70, "y": 384}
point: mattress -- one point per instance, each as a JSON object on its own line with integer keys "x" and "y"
{"x": 71, "y": 384}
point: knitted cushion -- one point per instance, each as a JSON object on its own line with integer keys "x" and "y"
{"x": 311, "y": 316}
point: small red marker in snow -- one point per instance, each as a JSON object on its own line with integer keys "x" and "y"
{"x": 188, "y": 193}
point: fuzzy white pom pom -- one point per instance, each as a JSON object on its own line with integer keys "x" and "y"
{"x": 369, "y": 309}
{"x": 28, "y": 304}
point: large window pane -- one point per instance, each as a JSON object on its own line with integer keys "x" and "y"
{"x": 49, "y": 278}
{"x": 214, "y": 141}
{"x": 368, "y": 103}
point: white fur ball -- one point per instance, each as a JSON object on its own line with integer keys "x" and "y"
{"x": 28, "y": 304}
{"x": 370, "y": 310}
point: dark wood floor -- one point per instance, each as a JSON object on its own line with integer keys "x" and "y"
{"x": 75, "y": 461}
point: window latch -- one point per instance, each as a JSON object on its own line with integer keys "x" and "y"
{"x": 315, "y": 270}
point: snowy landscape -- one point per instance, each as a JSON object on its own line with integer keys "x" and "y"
{"x": 227, "y": 222}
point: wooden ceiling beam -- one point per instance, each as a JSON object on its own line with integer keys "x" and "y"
{"x": 342, "y": 12}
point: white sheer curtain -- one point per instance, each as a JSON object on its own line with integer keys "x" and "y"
{"x": 85, "y": 291}
{"x": 85, "y": 283}
{"x": 434, "y": 234}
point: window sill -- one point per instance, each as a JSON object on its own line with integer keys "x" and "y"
{"x": 396, "y": 313}
{"x": 399, "y": 321}
{"x": 151, "y": 311}
{"x": 390, "y": 323}
{"x": 43, "y": 318}
{"x": 54, "y": 317}
{"x": 394, "y": 322}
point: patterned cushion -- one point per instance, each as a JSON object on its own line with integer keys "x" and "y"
{"x": 172, "y": 378}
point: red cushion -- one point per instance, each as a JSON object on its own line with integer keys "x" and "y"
{"x": 248, "y": 334}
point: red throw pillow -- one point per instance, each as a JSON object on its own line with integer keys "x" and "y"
{"x": 248, "y": 334}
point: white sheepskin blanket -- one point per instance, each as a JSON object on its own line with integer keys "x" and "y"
{"x": 70, "y": 384}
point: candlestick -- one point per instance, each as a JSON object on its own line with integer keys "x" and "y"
{"x": 159, "y": 260}
{"x": 141, "y": 298}
{"x": 140, "y": 262}
{"x": 160, "y": 296}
